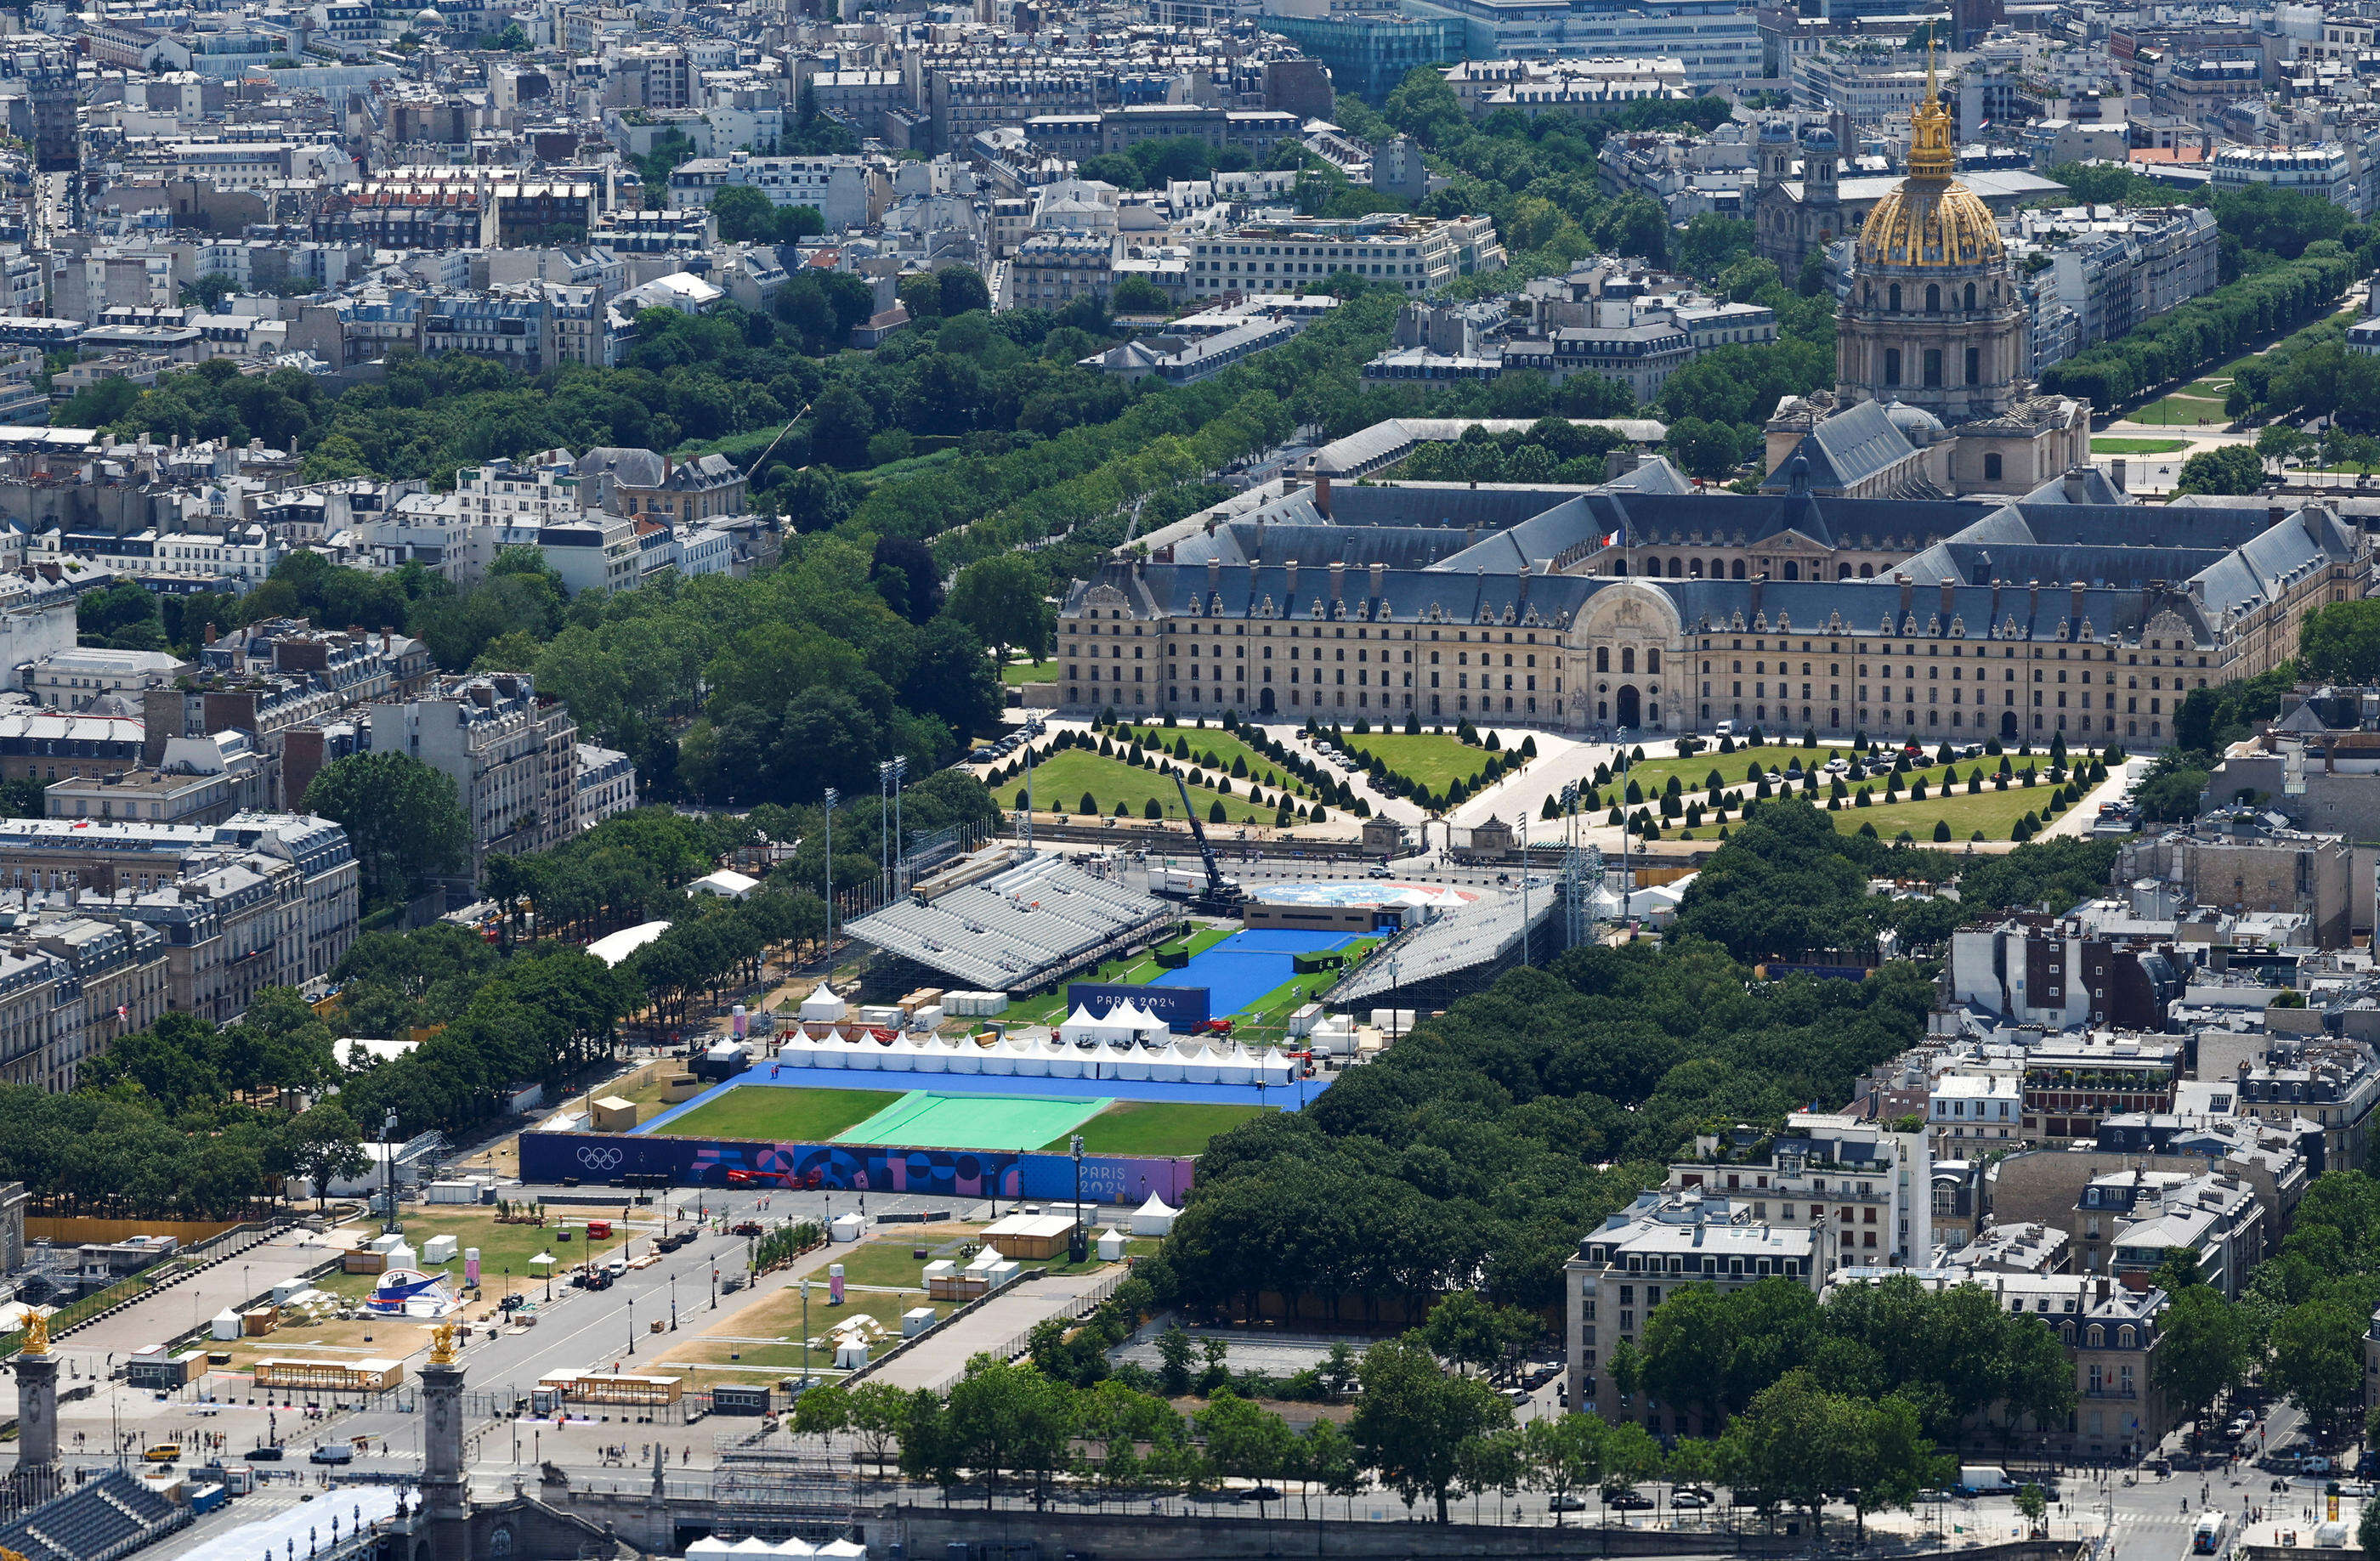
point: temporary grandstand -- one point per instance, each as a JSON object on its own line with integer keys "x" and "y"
{"x": 110, "y": 1517}
{"x": 1019, "y": 930}
{"x": 1458, "y": 952}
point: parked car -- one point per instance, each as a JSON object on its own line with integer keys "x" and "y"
{"x": 1628, "y": 1501}
{"x": 1688, "y": 1499}
{"x": 1568, "y": 1503}
{"x": 332, "y": 1452}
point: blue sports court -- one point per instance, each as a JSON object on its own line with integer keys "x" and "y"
{"x": 1246, "y": 965}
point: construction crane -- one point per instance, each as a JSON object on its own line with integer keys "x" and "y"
{"x": 1222, "y": 895}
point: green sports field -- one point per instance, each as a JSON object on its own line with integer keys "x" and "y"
{"x": 926, "y": 1120}
{"x": 795, "y": 1116}
{"x": 973, "y": 1122}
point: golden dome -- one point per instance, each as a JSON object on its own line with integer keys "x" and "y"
{"x": 1931, "y": 220}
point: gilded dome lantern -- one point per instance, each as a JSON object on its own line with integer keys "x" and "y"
{"x": 1930, "y": 221}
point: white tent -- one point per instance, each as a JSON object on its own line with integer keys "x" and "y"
{"x": 1237, "y": 1066}
{"x": 1130, "y": 1017}
{"x": 845, "y": 1548}
{"x": 966, "y": 1058}
{"x": 1199, "y": 1067}
{"x": 1132, "y": 1064}
{"x": 709, "y": 1548}
{"x": 832, "y": 1051}
{"x": 998, "y": 1057}
{"x": 799, "y": 1547}
{"x": 865, "y": 1054}
{"x": 1085, "y": 1025}
{"x": 933, "y": 1056}
{"x": 1153, "y": 1217}
{"x": 1065, "y": 1062}
{"x": 753, "y": 1546}
{"x": 1111, "y": 1245}
{"x": 1163, "y": 1066}
{"x": 1276, "y": 1068}
{"x": 1032, "y": 1057}
{"x": 820, "y": 1006}
{"x": 902, "y": 1054}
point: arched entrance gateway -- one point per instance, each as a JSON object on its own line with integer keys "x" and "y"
{"x": 1632, "y": 629}
{"x": 1264, "y": 702}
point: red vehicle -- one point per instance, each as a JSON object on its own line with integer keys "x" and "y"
{"x": 748, "y": 1228}
{"x": 1216, "y": 1027}
{"x": 599, "y": 1229}
{"x": 738, "y": 1177}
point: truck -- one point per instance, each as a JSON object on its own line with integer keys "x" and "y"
{"x": 1174, "y": 883}
{"x": 206, "y": 1498}
{"x": 1984, "y": 1480}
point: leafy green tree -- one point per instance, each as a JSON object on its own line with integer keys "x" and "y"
{"x": 2340, "y": 643}
{"x": 325, "y": 1145}
{"x": 1002, "y": 600}
{"x": 1007, "y": 1419}
{"x": 2234, "y": 469}
{"x": 1563, "y": 1454}
{"x": 1412, "y": 1419}
{"x": 744, "y": 215}
{"x": 2318, "y": 1357}
{"x": 1245, "y": 1441}
{"x": 402, "y": 818}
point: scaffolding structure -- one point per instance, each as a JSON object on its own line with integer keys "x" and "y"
{"x": 1582, "y": 873}
{"x": 775, "y": 1487}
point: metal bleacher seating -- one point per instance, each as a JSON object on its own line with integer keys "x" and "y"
{"x": 1016, "y": 929}
{"x": 109, "y": 1516}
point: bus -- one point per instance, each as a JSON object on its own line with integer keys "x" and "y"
{"x": 2208, "y": 1536}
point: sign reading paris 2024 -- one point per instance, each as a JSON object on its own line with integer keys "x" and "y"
{"x": 1183, "y": 1009}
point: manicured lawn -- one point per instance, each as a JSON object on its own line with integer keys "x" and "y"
{"x": 2212, "y": 389}
{"x": 1990, "y": 810}
{"x": 1994, "y": 812}
{"x": 791, "y": 1116}
{"x": 1060, "y": 782}
{"x": 1156, "y": 1126}
{"x": 2137, "y": 446}
{"x": 1654, "y": 774}
{"x": 1425, "y": 758}
{"x": 1019, "y": 673}
{"x": 2177, "y": 411}
{"x": 1225, "y": 748}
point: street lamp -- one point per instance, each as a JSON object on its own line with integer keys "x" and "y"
{"x": 834, "y": 800}
{"x": 388, "y": 1136}
{"x": 1078, "y": 1245}
{"x": 673, "y": 1304}
{"x": 632, "y": 1325}
{"x": 806, "y": 1333}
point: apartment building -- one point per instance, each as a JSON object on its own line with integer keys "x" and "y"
{"x": 605, "y": 783}
{"x": 197, "y": 780}
{"x": 47, "y": 745}
{"x": 122, "y": 971}
{"x": 511, "y": 752}
{"x": 1417, "y": 254}
{"x": 75, "y": 680}
{"x": 260, "y": 900}
{"x": 1663, "y": 1240}
{"x": 848, "y": 191}
{"x": 1863, "y": 1186}
{"x": 2110, "y": 1333}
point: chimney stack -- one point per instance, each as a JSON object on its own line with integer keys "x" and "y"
{"x": 1379, "y": 580}
{"x": 1338, "y": 579}
{"x": 1908, "y": 593}
{"x": 1950, "y": 602}
{"x": 1290, "y": 590}
{"x": 1214, "y": 574}
{"x": 1322, "y": 494}
{"x": 2074, "y": 609}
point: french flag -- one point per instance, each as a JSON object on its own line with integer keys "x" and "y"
{"x": 1611, "y": 538}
